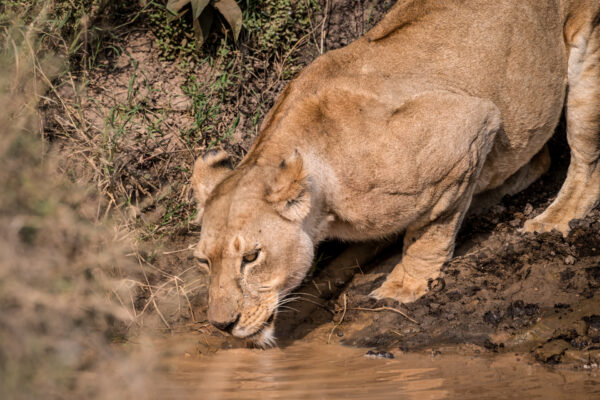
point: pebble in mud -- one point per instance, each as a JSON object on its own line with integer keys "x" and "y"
{"x": 379, "y": 354}
{"x": 570, "y": 260}
{"x": 593, "y": 327}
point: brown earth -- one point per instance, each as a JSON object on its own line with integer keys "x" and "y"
{"x": 503, "y": 291}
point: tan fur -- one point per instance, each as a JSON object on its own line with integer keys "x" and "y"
{"x": 396, "y": 132}
{"x": 208, "y": 172}
{"x": 288, "y": 191}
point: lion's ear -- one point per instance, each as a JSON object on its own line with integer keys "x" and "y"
{"x": 209, "y": 170}
{"x": 288, "y": 192}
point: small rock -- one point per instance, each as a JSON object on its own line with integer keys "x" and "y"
{"x": 181, "y": 104}
{"x": 551, "y": 352}
{"x": 492, "y": 317}
{"x": 528, "y": 209}
{"x": 593, "y": 327}
{"x": 569, "y": 260}
{"x": 515, "y": 222}
{"x": 495, "y": 347}
{"x": 436, "y": 285}
{"x": 379, "y": 354}
{"x": 123, "y": 61}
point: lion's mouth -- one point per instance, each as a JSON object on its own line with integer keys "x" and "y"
{"x": 263, "y": 337}
{"x": 260, "y": 330}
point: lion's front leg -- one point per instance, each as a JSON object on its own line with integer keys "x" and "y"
{"x": 457, "y": 133}
{"x": 426, "y": 249}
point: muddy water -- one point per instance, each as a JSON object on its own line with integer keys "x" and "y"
{"x": 308, "y": 371}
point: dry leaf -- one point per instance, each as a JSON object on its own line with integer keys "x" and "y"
{"x": 197, "y": 7}
{"x": 232, "y": 14}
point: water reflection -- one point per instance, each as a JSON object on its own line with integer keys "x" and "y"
{"x": 306, "y": 371}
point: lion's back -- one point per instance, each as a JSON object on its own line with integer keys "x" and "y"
{"x": 509, "y": 52}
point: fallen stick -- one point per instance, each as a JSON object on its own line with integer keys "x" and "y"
{"x": 341, "y": 319}
{"x": 386, "y": 309}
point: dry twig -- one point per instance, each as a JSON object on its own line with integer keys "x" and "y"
{"x": 323, "y": 33}
{"x": 386, "y": 309}
{"x": 341, "y": 319}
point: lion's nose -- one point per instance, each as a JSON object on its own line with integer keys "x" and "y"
{"x": 226, "y": 326}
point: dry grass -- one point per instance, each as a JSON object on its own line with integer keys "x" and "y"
{"x": 134, "y": 120}
{"x": 395, "y": 310}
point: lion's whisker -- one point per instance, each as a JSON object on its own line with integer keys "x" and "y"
{"x": 287, "y": 308}
{"x": 307, "y": 294}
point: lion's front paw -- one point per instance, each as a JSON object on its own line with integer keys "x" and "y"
{"x": 407, "y": 291}
{"x": 540, "y": 225}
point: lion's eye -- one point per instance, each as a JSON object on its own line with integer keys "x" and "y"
{"x": 251, "y": 257}
{"x": 203, "y": 261}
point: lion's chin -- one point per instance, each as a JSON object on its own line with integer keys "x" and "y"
{"x": 264, "y": 337}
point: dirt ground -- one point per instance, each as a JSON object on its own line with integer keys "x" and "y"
{"x": 503, "y": 291}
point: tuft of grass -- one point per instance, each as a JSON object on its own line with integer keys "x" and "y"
{"x": 174, "y": 37}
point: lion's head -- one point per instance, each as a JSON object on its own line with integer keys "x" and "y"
{"x": 252, "y": 239}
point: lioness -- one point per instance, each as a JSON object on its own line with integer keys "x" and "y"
{"x": 441, "y": 101}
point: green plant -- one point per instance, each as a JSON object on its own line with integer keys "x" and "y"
{"x": 203, "y": 15}
{"x": 277, "y": 25}
{"x": 174, "y": 38}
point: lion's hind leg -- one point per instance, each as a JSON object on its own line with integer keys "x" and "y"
{"x": 581, "y": 190}
{"x": 518, "y": 182}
